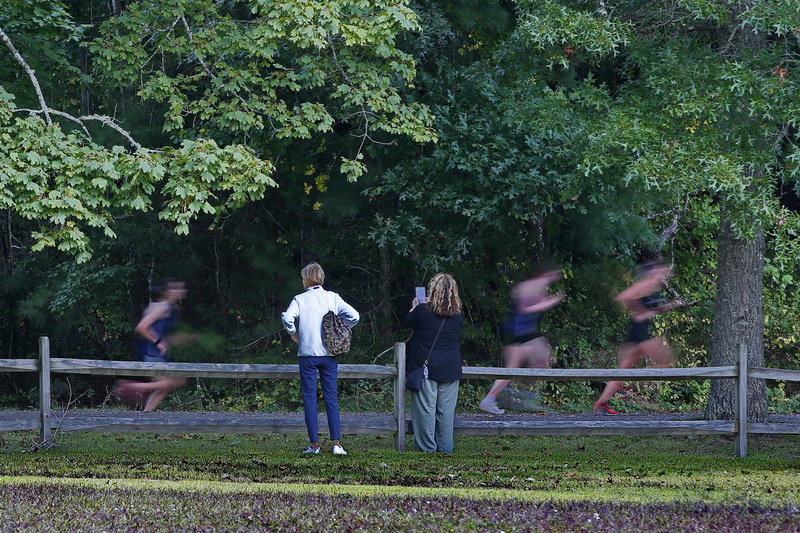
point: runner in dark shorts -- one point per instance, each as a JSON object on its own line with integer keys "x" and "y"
{"x": 642, "y": 301}
{"x": 527, "y": 348}
{"x": 155, "y": 331}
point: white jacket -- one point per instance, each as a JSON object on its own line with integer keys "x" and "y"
{"x": 304, "y": 316}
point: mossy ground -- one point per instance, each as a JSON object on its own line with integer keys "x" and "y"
{"x": 262, "y": 482}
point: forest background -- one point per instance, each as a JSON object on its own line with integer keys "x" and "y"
{"x": 228, "y": 143}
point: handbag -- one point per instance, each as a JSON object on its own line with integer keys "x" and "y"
{"x": 414, "y": 379}
{"x": 335, "y": 334}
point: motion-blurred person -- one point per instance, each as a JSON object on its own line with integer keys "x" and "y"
{"x": 529, "y": 300}
{"x": 642, "y": 301}
{"x": 156, "y": 332}
{"x": 303, "y": 321}
{"x": 436, "y": 325}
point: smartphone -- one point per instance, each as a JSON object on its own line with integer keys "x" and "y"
{"x": 420, "y": 293}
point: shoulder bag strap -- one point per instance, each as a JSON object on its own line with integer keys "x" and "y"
{"x": 434, "y": 343}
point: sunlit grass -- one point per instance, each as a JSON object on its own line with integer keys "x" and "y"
{"x": 625, "y": 469}
{"x": 150, "y": 482}
{"x": 35, "y": 504}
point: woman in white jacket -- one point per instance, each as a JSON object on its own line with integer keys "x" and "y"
{"x": 303, "y": 320}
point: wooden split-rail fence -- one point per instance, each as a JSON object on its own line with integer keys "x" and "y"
{"x": 44, "y": 420}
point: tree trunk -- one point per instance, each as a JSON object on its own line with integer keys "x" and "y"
{"x": 116, "y": 7}
{"x": 738, "y": 315}
{"x": 738, "y": 318}
{"x": 387, "y": 321}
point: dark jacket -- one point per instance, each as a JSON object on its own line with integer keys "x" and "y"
{"x": 444, "y": 363}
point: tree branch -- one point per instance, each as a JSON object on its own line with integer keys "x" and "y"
{"x": 202, "y": 61}
{"x": 54, "y": 112}
{"x": 196, "y": 52}
{"x": 109, "y": 122}
{"x": 364, "y": 113}
{"x": 46, "y": 111}
{"x": 103, "y": 119}
{"x": 31, "y": 74}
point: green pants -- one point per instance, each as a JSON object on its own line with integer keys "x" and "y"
{"x": 433, "y": 409}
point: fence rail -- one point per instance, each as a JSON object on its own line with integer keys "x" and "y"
{"x": 596, "y": 374}
{"x": 207, "y": 370}
{"x": 198, "y": 423}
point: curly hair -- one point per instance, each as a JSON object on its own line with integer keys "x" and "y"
{"x": 443, "y": 298}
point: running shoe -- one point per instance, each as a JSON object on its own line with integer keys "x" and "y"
{"x": 604, "y": 409}
{"x": 338, "y": 450}
{"x": 490, "y": 406}
{"x": 311, "y": 449}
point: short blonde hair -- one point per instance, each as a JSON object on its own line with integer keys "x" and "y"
{"x": 443, "y": 297}
{"x": 312, "y": 274}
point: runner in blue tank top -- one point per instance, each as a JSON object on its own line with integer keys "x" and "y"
{"x": 155, "y": 331}
{"x": 526, "y": 347}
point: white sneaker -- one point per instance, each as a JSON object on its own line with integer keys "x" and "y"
{"x": 338, "y": 450}
{"x": 490, "y": 406}
{"x": 311, "y": 449}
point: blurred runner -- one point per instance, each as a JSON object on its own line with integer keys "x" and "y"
{"x": 529, "y": 300}
{"x": 642, "y": 301}
{"x": 156, "y": 332}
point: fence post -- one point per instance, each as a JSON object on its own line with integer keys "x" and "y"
{"x": 44, "y": 388}
{"x": 400, "y": 396}
{"x": 741, "y": 403}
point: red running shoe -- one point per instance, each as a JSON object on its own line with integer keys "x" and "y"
{"x": 604, "y": 409}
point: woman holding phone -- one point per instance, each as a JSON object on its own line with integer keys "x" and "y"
{"x": 436, "y": 325}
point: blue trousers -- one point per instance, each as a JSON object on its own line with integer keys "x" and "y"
{"x": 433, "y": 410}
{"x": 328, "y": 373}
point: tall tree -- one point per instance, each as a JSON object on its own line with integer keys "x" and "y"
{"x": 230, "y": 80}
{"x": 701, "y": 102}
{"x": 739, "y": 317}
{"x": 610, "y": 119}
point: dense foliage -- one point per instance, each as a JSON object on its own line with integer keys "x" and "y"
{"x": 229, "y": 143}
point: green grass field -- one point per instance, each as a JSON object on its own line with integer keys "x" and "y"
{"x": 214, "y": 482}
